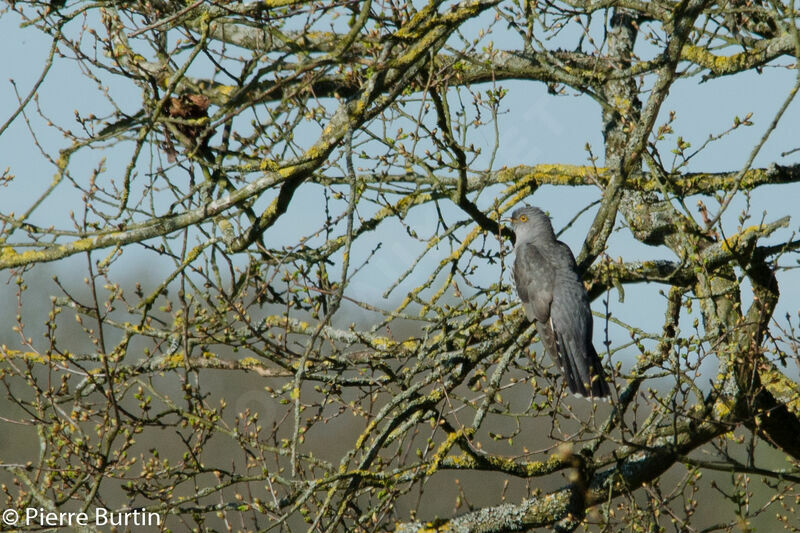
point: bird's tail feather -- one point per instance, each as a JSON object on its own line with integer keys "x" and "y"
{"x": 586, "y": 375}
{"x": 582, "y": 369}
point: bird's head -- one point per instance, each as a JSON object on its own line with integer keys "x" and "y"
{"x": 531, "y": 223}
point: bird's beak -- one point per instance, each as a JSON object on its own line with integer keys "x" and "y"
{"x": 507, "y": 220}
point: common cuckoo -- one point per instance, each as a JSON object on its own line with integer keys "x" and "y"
{"x": 555, "y": 299}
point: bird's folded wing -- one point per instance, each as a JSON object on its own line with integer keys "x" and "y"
{"x": 571, "y": 321}
{"x": 534, "y": 277}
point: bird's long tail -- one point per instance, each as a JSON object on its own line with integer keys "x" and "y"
{"x": 584, "y": 373}
{"x": 581, "y": 367}
{"x": 598, "y": 384}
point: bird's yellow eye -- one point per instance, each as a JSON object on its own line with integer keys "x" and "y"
{"x": 523, "y": 218}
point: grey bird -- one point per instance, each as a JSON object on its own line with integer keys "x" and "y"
{"x": 555, "y": 299}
